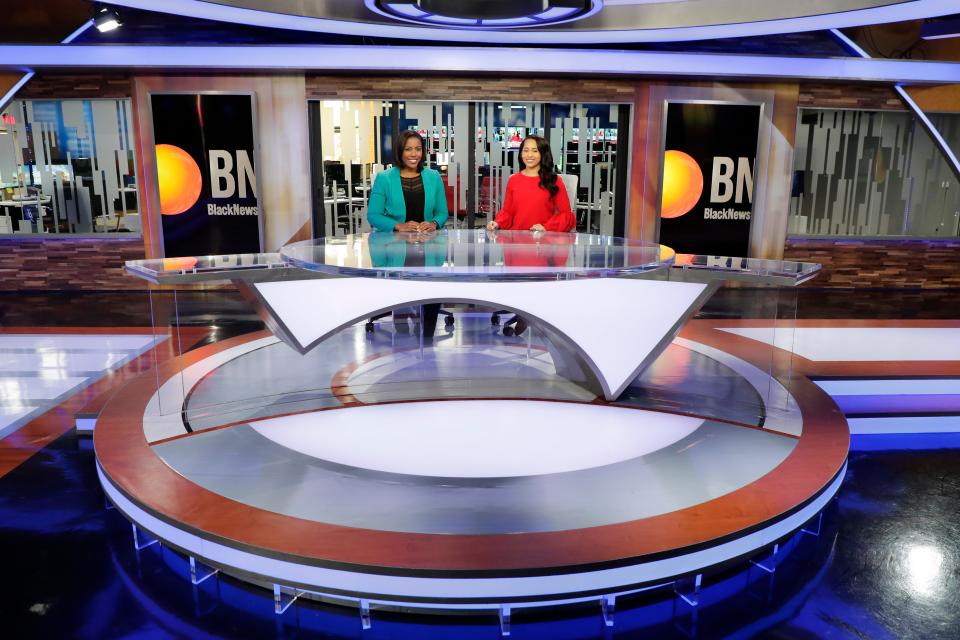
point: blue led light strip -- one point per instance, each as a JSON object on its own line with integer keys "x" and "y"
{"x": 930, "y": 128}
{"x": 468, "y": 59}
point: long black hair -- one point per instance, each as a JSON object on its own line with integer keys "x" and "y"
{"x": 401, "y": 142}
{"x": 548, "y": 176}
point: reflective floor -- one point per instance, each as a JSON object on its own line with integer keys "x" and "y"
{"x": 885, "y": 565}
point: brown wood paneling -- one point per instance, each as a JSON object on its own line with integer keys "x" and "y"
{"x": 849, "y": 96}
{"x": 887, "y": 263}
{"x": 421, "y": 87}
{"x": 87, "y": 86}
{"x": 50, "y": 263}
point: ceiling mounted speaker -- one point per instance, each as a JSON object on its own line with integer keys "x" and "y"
{"x": 487, "y": 14}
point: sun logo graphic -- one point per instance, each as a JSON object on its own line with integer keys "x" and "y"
{"x": 682, "y": 184}
{"x": 180, "y": 179}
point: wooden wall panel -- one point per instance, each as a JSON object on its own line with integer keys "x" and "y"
{"x": 880, "y": 263}
{"x": 849, "y": 96}
{"x": 63, "y": 264}
{"x": 420, "y": 87}
{"x": 86, "y": 86}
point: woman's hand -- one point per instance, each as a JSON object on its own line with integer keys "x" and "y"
{"x": 538, "y": 227}
{"x": 492, "y": 225}
{"x": 427, "y": 227}
{"x": 406, "y": 227}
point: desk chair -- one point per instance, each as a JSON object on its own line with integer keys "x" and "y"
{"x": 515, "y": 325}
{"x": 370, "y": 327}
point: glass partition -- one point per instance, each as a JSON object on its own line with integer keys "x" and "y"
{"x": 873, "y": 173}
{"x": 68, "y": 167}
{"x": 353, "y": 141}
{"x": 735, "y": 360}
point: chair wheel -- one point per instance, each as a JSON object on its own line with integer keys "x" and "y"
{"x": 508, "y": 331}
{"x": 495, "y": 320}
{"x": 368, "y": 327}
{"x": 448, "y": 321}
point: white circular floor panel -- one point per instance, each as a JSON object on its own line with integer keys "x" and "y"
{"x": 478, "y": 438}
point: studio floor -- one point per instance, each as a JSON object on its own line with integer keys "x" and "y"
{"x": 884, "y": 565}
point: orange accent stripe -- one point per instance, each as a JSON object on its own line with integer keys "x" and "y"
{"x": 131, "y": 464}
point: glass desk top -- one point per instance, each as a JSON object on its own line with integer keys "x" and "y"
{"x": 471, "y": 255}
{"x": 477, "y": 255}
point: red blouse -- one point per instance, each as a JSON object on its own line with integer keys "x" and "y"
{"x": 527, "y": 204}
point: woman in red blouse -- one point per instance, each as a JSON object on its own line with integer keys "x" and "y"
{"x": 536, "y": 199}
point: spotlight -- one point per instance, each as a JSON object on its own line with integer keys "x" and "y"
{"x": 106, "y": 19}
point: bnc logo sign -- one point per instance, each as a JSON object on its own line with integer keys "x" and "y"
{"x": 731, "y": 179}
{"x": 180, "y": 182}
{"x": 223, "y": 183}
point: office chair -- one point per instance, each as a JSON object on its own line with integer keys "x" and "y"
{"x": 370, "y": 327}
{"x": 515, "y": 325}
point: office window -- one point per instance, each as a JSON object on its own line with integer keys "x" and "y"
{"x": 476, "y": 148}
{"x": 67, "y": 167}
{"x": 873, "y": 173}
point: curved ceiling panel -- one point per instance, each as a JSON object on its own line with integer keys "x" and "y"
{"x": 608, "y": 21}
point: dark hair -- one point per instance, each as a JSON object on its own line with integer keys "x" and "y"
{"x": 401, "y": 142}
{"x": 548, "y": 176}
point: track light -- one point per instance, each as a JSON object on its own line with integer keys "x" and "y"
{"x": 106, "y": 19}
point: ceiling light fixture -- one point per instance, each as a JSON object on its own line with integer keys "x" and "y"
{"x": 106, "y": 19}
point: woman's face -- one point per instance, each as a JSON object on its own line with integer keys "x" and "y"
{"x": 530, "y": 154}
{"x": 412, "y": 152}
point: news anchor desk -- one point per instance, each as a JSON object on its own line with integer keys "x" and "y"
{"x": 584, "y": 460}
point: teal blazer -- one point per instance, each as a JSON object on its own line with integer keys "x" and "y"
{"x": 386, "y": 207}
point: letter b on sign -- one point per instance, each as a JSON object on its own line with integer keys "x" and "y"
{"x": 721, "y": 182}
{"x": 222, "y": 182}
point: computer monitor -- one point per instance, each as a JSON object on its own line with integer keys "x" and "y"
{"x": 333, "y": 172}
{"x": 356, "y": 173}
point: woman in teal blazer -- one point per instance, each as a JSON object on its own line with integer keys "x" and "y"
{"x": 387, "y": 208}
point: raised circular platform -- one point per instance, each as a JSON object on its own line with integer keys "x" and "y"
{"x": 463, "y": 502}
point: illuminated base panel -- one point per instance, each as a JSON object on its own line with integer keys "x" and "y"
{"x": 517, "y": 489}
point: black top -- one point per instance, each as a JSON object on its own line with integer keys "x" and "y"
{"x": 413, "y": 197}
